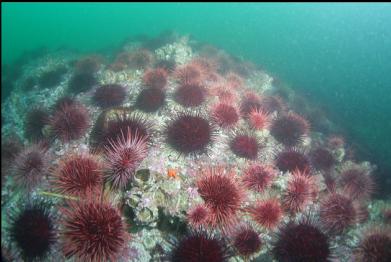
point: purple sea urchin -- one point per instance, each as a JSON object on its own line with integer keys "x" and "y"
{"x": 156, "y": 78}
{"x": 111, "y": 125}
{"x": 30, "y": 166}
{"x": 70, "y": 122}
{"x": 109, "y": 95}
{"x": 190, "y": 95}
{"x": 322, "y": 159}
{"x": 337, "y": 213}
{"x": 301, "y": 242}
{"x": 200, "y": 246}
{"x": 189, "y": 133}
{"x": 32, "y": 230}
{"x": 289, "y": 129}
{"x": 357, "y": 182}
{"x": 374, "y": 246}
{"x": 150, "y": 100}
{"x": 291, "y": 159}
{"x": 246, "y": 241}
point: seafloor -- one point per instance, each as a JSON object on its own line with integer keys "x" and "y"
{"x": 227, "y": 164}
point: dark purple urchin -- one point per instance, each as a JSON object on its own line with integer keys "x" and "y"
{"x": 111, "y": 129}
{"x": 291, "y": 160}
{"x": 32, "y": 229}
{"x": 109, "y": 95}
{"x": 374, "y": 246}
{"x": 244, "y": 145}
{"x": 81, "y": 82}
{"x": 156, "y": 78}
{"x": 190, "y": 94}
{"x": 200, "y": 246}
{"x": 70, "y": 122}
{"x": 357, "y": 182}
{"x": 289, "y": 129}
{"x": 322, "y": 159}
{"x": 301, "y": 242}
{"x": 189, "y": 133}
{"x": 30, "y": 166}
{"x": 34, "y": 122}
{"x": 246, "y": 241}
{"x": 337, "y": 213}
{"x": 150, "y": 99}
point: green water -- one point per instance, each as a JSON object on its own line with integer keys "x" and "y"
{"x": 338, "y": 54}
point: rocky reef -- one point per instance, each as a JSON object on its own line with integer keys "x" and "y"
{"x": 178, "y": 151}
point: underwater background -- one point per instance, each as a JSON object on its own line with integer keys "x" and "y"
{"x": 337, "y": 54}
{"x": 196, "y": 132}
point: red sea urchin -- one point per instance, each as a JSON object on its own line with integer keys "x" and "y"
{"x": 245, "y": 145}
{"x": 190, "y": 95}
{"x": 222, "y": 196}
{"x": 123, "y": 156}
{"x": 267, "y": 213}
{"x": 200, "y": 246}
{"x": 78, "y": 175}
{"x": 189, "y": 133}
{"x": 301, "y": 242}
{"x": 292, "y": 159}
{"x": 258, "y": 177}
{"x": 225, "y": 115}
{"x": 30, "y": 166}
{"x": 32, "y": 229}
{"x": 156, "y": 78}
{"x": 246, "y": 241}
{"x": 337, "y": 213}
{"x": 93, "y": 231}
{"x": 197, "y": 216}
{"x": 356, "y": 182}
{"x": 289, "y": 129}
{"x": 374, "y": 246}
{"x": 250, "y": 102}
{"x": 70, "y": 122}
{"x": 109, "y": 95}
{"x": 301, "y": 190}
{"x": 188, "y": 74}
{"x": 258, "y": 119}
{"x": 150, "y": 99}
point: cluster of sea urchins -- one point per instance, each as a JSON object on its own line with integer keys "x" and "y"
{"x": 241, "y": 201}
